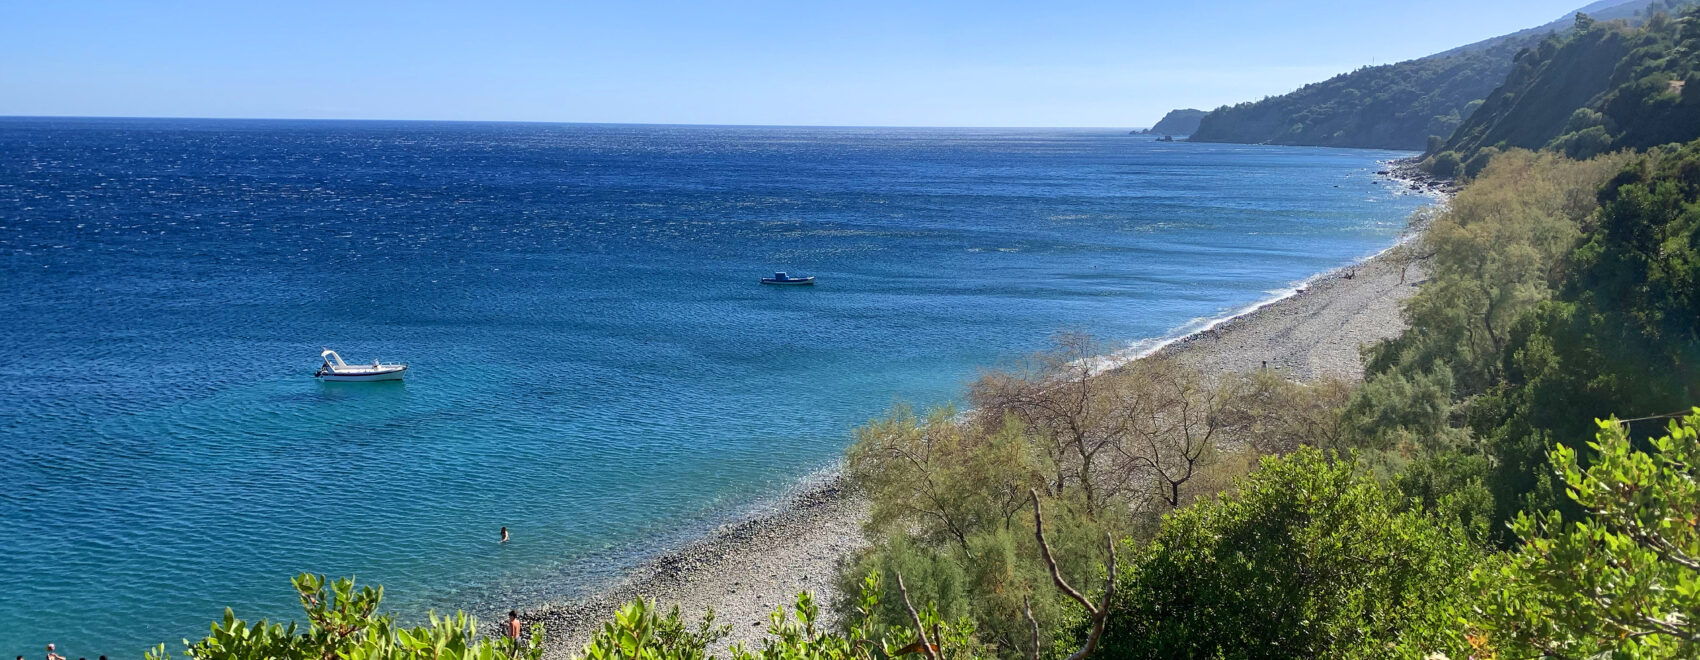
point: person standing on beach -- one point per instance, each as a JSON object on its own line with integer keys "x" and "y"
{"x": 511, "y": 629}
{"x": 504, "y": 535}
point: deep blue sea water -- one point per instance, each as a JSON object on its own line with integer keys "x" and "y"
{"x": 594, "y": 365}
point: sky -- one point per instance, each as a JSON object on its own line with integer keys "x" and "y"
{"x": 807, "y": 62}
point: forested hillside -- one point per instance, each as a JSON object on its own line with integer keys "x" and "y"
{"x": 1605, "y": 86}
{"x": 1633, "y": 11}
{"x": 1392, "y": 106}
{"x": 1397, "y": 106}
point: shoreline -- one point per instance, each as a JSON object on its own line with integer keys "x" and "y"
{"x": 744, "y": 569}
{"x": 741, "y": 570}
{"x": 1403, "y": 173}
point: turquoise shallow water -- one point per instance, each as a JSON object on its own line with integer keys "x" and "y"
{"x": 594, "y": 365}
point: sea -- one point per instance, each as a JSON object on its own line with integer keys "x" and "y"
{"x": 593, "y": 364}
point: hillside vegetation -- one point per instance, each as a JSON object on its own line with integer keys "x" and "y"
{"x": 1404, "y": 105}
{"x": 1392, "y": 106}
{"x": 1605, "y": 86}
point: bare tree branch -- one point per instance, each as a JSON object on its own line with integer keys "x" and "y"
{"x": 927, "y": 647}
{"x": 1027, "y": 609}
{"x": 1100, "y": 612}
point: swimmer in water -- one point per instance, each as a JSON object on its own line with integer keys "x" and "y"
{"x": 504, "y": 535}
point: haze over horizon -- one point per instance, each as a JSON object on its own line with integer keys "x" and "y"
{"x": 1076, "y": 64}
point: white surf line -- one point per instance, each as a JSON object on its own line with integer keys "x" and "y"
{"x": 1143, "y": 348}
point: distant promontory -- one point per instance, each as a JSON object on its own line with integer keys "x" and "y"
{"x": 1177, "y": 122}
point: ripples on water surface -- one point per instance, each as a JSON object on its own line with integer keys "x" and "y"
{"x": 594, "y": 365}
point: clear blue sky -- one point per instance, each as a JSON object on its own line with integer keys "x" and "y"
{"x": 916, "y": 63}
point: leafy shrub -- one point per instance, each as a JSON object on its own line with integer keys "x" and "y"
{"x": 1445, "y": 165}
{"x": 1478, "y": 162}
{"x": 1583, "y": 144}
{"x": 1624, "y": 582}
{"x": 1305, "y": 559}
{"x": 344, "y": 623}
{"x": 639, "y": 631}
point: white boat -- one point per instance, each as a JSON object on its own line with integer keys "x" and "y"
{"x": 335, "y": 369}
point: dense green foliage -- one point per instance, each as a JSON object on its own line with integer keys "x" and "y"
{"x": 1561, "y": 292}
{"x": 1625, "y": 580}
{"x": 1491, "y": 256}
{"x": 1551, "y": 302}
{"x": 1307, "y": 559}
{"x": 344, "y": 623}
{"x": 1619, "y": 336}
{"x": 1392, "y": 106}
{"x": 1178, "y": 122}
{"x": 1602, "y": 87}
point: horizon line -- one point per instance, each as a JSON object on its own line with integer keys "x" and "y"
{"x": 4, "y": 117}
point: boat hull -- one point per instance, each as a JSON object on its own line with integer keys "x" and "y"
{"x": 365, "y": 377}
{"x": 773, "y": 282}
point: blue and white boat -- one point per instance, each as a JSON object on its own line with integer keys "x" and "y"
{"x": 782, "y": 278}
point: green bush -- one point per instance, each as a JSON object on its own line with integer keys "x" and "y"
{"x": 639, "y": 631}
{"x": 344, "y": 623}
{"x": 950, "y": 514}
{"x": 1478, "y": 162}
{"x": 1445, "y": 165}
{"x": 1307, "y": 559}
{"x": 1585, "y": 143}
{"x": 1624, "y": 582}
